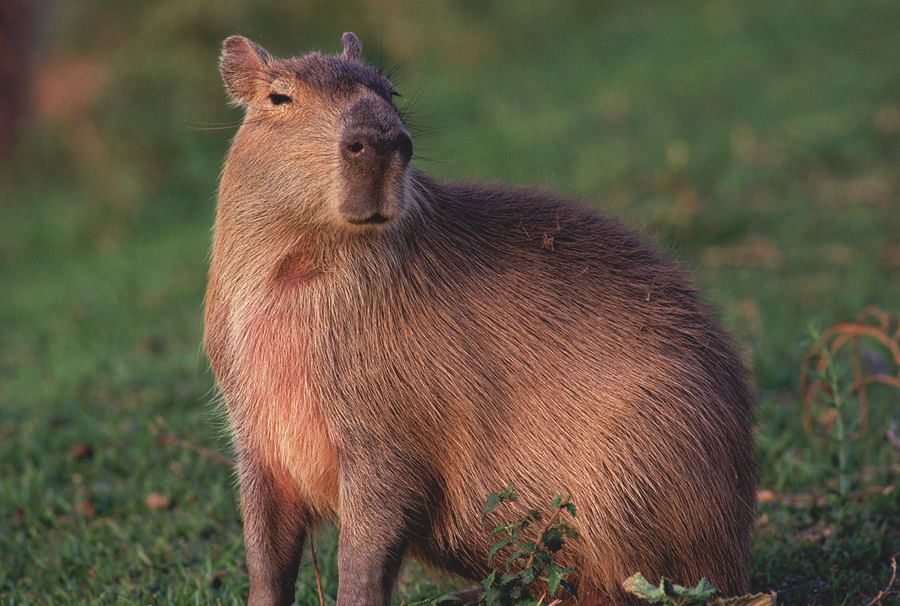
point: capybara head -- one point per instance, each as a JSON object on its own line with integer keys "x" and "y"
{"x": 321, "y": 136}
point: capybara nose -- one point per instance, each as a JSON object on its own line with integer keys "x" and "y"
{"x": 365, "y": 146}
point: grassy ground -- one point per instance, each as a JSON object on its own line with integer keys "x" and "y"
{"x": 758, "y": 142}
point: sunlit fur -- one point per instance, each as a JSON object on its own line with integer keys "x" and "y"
{"x": 391, "y": 376}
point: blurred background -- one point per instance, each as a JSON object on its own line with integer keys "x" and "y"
{"x": 758, "y": 143}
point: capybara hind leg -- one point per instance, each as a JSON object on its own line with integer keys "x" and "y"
{"x": 275, "y": 525}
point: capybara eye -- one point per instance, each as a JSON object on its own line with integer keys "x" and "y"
{"x": 277, "y": 99}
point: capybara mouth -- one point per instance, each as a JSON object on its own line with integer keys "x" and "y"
{"x": 375, "y": 219}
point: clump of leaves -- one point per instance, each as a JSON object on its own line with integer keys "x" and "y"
{"x": 531, "y": 577}
{"x": 668, "y": 593}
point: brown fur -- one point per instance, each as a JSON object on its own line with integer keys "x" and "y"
{"x": 390, "y": 376}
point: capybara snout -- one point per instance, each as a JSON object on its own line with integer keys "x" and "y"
{"x": 375, "y": 149}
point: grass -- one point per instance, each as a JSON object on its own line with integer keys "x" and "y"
{"x": 757, "y": 142}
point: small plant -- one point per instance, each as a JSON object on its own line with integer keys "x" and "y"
{"x": 834, "y": 397}
{"x": 531, "y": 577}
{"x": 837, "y": 396}
{"x": 668, "y": 593}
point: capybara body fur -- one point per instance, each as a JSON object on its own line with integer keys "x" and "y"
{"x": 391, "y": 349}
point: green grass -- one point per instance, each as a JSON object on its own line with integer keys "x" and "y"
{"x": 757, "y": 142}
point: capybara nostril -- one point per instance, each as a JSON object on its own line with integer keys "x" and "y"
{"x": 404, "y": 146}
{"x": 357, "y": 143}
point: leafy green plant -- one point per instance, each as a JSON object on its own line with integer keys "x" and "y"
{"x": 668, "y": 593}
{"x": 532, "y": 577}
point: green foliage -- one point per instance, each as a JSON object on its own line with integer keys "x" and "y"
{"x": 668, "y": 593}
{"x": 529, "y": 576}
{"x": 507, "y": 495}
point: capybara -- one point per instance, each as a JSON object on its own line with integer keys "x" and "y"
{"x": 391, "y": 349}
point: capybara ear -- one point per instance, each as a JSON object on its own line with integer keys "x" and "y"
{"x": 352, "y": 47}
{"x": 244, "y": 65}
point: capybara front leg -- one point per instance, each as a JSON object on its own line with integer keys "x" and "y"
{"x": 373, "y": 535}
{"x": 368, "y": 562}
{"x": 275, "y": 525}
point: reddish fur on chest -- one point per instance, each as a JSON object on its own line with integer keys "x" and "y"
{"x": 273, "y": 408}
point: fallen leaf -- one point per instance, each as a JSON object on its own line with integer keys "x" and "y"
{"x": 765, "y": 496}
{"x": 157, "y": 501}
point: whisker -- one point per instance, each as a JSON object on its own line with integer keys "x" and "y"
{"x": 208, "y": 128}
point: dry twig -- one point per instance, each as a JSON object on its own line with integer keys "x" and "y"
{"x": 315, "y": 561}
{"x": 889, "y": 589}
